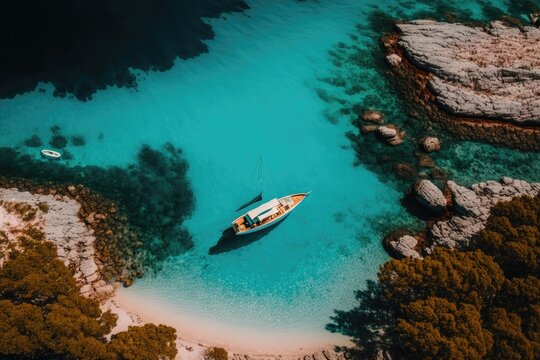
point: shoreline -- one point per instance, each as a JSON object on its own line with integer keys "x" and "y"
{"x": 415, "y": 80}
{"x": 193, "y": 331}
{"x": 63, "y": 225}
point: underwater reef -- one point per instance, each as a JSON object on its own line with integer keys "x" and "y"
{"x": 153, "y": 192}
{"x": 390, "y": 128}
{"x": 82, "y": 46}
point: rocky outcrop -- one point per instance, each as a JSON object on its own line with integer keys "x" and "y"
{"x": 117, "y": 245}
{"x": 481, "y": 83}
{"x": 405, "y": 246}
{"x": 57, "y": 217}
{"x": 491, "y": 72}
{"x": 429, "y": 195}
{"x": 472, "y": 206}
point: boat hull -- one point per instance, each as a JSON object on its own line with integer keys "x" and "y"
{"x": 50, "y": 154}
{"x": 273, "y": 221}
{"x": 265, "y": 226}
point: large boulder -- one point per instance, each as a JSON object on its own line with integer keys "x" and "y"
{"x": 405, "y": 246}
{"x": 429, "y": 195}
{"x": 386, "y": 132}
{"x": 466, "y": 202}
{"x": 390, "y": 134}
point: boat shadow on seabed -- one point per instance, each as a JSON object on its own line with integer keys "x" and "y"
{"x": 229, "y": 241}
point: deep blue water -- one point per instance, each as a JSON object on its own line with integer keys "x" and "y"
{"x": 254, "y": 92}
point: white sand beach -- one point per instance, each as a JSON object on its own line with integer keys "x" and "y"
{"x": 195, "y": 331}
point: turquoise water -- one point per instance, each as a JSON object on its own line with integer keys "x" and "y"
{"x": 254, "y": 93}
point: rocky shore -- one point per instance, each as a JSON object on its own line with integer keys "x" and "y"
{"x": 481, "y": 83}
{"x": 57, "y": 217}
{"x": 114, "y": 243}
{"x": 468, "y": 211}
{"x": 81, "y": 224}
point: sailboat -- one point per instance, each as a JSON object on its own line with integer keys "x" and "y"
{"x": 268, "y": 214}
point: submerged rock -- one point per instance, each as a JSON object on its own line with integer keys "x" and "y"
{"x": 425, "y": 161}
{"x": 366, "y": 129}
{"x": 390, "y": 134}
{"x": 405, "y": 171}
{"x": 386, "y": 132}
{"x": 430, "y": 195}
{"x": 431, "y": 143}
{"x": 33, "y": 141}
{"x": 373, "y": 116}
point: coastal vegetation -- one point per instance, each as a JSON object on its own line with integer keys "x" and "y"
{"x": 481, "y": 303}
{"x": 215, "y": 353}
{"x": 43, "y": 315}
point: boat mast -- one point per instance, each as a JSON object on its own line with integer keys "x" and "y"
{"x": 261, "y": 178}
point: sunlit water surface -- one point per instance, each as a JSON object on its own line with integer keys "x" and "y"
{"x": 252, "y": 94}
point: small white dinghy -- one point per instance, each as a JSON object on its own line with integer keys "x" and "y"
{"x": 51, "y": 154}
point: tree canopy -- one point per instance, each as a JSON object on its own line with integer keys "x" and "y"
{"x": 43, "y": 315}
{"x": 478, "y": 304}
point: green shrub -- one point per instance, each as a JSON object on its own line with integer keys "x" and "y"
{"x": 216, "y": 353}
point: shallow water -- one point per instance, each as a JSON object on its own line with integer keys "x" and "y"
{"x": 254, "y": 93}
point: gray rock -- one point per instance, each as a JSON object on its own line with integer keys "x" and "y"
{"x": 92, "y": 278}
{"x": 488, "y": 72}
{"x": 86, "y": 289}
{"x": 99, "y": 283}
{"x": 386, "y": 132}
{"x": 430, "y": 195}
{"x": 390, "y": 134}
{"x": 466, "y": 202}
{"x": 405, "y": 246}
{"x": 393, "y": 59}
{"x": 106, "y": 289}
{"x": 88, "y": 267}
{"x": 473, "y": 206}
